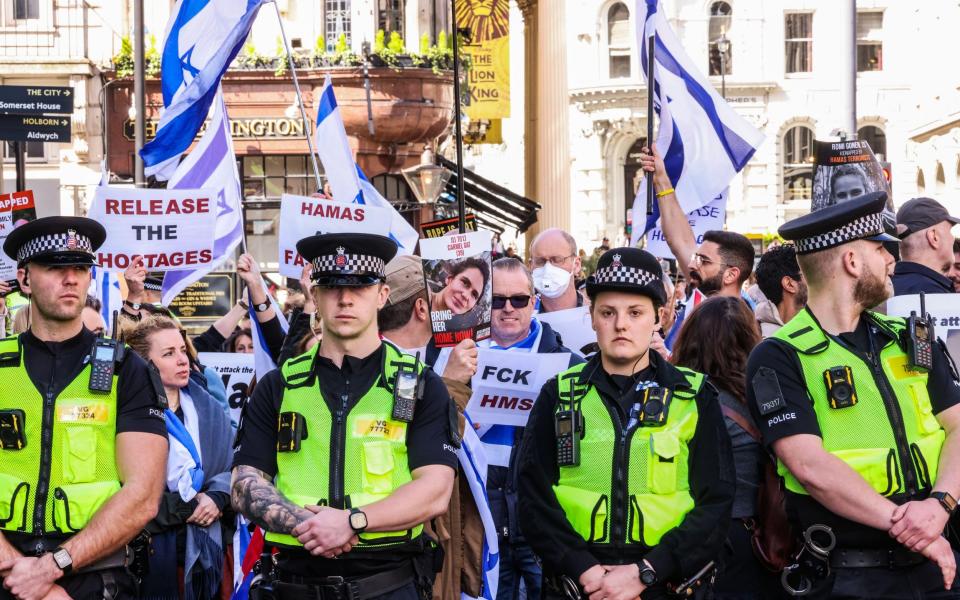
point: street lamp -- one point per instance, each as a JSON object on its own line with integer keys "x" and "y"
{"x": 427, "y": 179}
{"x": 723, "y": 46}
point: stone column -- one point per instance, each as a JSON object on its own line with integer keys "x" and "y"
{"x": 551, "y": 104}
{"x": 528, "y": 9}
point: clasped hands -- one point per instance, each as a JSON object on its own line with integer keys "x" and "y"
{"x": 919, "y": 526}
{"x": 327, "y": 533}
{"x": 612, "y": 582}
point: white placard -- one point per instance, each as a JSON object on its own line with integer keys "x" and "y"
{"x": 506, "y": 384}
{"x": 236, "y": 371}
{"x": 702, "y": 220}
{"x": 171, "y": 229}
{"x": 574, "y": 325}
{"x": 945, "y": 308}
{"x": 16, "y": 208}
{"x": 303, "y": 216}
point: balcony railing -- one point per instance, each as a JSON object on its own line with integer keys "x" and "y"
{"x": 55, "y": 29}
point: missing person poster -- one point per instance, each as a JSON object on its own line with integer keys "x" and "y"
{"x": 171, "y": 229}
{"x": 945, "y": 310}
{"x": 16, "y": 209}
{"x": 303, "y": 216}
{"x": 457, "y": 272}
{"x": 844, "y": 170}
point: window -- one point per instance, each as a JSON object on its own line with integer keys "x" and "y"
{"x": 26, "y": 9}
{"x": 33, "y": 151}
{"x": 798, "y": 39}
{"x": 869, "y": 44}
{"x": 618, "y": 41}
{"x": 390, "y": 16}
{"x": 941, "y": 183}
{"x": 269, "y": 177}
{"x": 921, "y": 182}
{"x": 718, "y": 44}
{"x": 877, "y": 139}
{"x": 797, "y": 160}
{"x": 336, "y": 17}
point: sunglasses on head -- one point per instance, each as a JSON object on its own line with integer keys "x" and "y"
{"x": 498, "y": 302}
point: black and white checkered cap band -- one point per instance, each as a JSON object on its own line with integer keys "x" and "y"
{"x": 864, "y": 227}
{"x": 621, "y": 274}
{"x": 56, "y": 243}
{"x": 349, "y": 263}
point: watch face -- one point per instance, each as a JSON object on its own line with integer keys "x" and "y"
{"x": 62, "y": 558}
{"x": 358, "y": 520}
{"x": 648, "y": 577}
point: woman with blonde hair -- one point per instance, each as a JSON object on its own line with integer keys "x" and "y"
{"x": 186, "y": 534}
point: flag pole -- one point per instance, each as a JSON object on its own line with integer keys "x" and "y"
{"x": 650, "y": 46}
{"x": 303, "y": 111}
{"x": 461, "y": 207}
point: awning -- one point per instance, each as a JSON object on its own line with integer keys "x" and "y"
{"x": 495, "y": 206}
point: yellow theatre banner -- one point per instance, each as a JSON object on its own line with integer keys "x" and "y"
{"x": 489, "y": 51}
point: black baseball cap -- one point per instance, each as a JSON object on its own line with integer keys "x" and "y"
{"x": 919, "y": 213}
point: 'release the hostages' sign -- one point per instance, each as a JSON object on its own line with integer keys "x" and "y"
{"x": 172, "y": 230}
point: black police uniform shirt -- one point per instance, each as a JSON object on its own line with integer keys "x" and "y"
{"x": 798, "y": 417}
{"x": 683, "y": 550}
{"x": 428, "y": 442}
{"x": 913, "y": 278}
{"x": 53, "y": 365}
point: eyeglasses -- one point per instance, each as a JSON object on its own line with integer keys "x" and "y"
{"x": 699, "y": 260}
{"x": 557, "y": 261}
{"x": 521, "y": 301}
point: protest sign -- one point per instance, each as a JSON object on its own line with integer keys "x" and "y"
{"x": 945, "y": 310}
{"x": 171, "y": 229}
{"x": 457, "y": 271}
{"x": 236, "y": 370}
{"x": 844, "y": 170}
{"x": 434, "y": 229}
{"x": 506, "y": 384}
{"x": 574, "y": 326}
{"x": 16, "y": 209}
{"x": 708, "y": 217}
{"x": 303, "y": 216}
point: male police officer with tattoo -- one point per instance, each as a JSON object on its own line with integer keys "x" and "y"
{"x": 626, "y": 472}
{"x": 83, "y": 442}
{"x": 345, "y": 451}
{"x": 863, "y": 413}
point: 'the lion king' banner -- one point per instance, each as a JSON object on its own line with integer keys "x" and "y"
{"x": 489, "y": 50}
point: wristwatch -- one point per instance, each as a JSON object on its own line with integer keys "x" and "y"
{"x": 261, "y": 307}
{"x": 133, "y": 305}
{"x": 948, "y": 502}
{"x": 63, "y": 560}
{"x": 358, "y": 520}
{"x": 648, "y": 576}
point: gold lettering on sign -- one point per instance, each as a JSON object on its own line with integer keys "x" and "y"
{"x": 252, "y": 128}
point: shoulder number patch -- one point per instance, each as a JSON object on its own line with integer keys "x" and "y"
{"x": 766, "y": 389}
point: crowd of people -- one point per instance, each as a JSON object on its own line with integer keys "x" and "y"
{"x": 742, "y": 427}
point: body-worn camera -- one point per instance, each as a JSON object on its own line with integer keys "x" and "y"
{"x": 12, "y": 429}
{"x": 656, "y": 401}
{"x": 568, "y": 425}
{"x": 840, "y": 389}
{"x": 291, "y": 431}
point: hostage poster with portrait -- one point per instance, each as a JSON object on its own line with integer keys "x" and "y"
{"x": 845, "y": 170}
{"x": 457, "y": 273}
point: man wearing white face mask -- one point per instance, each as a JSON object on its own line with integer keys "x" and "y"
{"x": 554, "y": 261}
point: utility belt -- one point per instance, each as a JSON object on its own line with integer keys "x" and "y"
{"x": 893, "y": 558}
{"x": 340, "y": 588}
{"x": 122, "y": 558}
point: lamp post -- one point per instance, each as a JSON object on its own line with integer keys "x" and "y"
{"x": 427, "y": 179}
{"x": 723, "y": 46}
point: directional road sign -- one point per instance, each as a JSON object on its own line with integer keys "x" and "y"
{"x": 27, "y": 128}
{"x": 36, "y": 100}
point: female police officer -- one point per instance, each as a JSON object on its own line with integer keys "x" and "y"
{"x": 626, "y": 474}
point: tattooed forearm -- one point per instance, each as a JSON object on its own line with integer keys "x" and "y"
{"x": 254, "y": 496}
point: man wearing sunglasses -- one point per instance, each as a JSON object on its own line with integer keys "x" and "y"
{"x": 513, "y": 328}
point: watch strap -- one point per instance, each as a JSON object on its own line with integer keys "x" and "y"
{"x": 648, "y": 576}
{"x": 133, "y": 305}
{"x": 261, "y": 307}
{"x": 948, "y": 502}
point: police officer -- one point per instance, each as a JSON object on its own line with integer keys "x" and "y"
{"x": 345, "y": 451}
{"x": 626, "y": 472}
{"x": 861, "y": 411}
{"x": 82, "y": 437}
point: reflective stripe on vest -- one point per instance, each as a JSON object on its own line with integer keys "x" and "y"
{"x": 81, "y": 448}
{"x": 652, "y": 493}
{"x": 372, "y": 447}
{"x": 863, "y": 435}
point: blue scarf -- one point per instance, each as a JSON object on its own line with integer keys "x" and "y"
{"x": 527, "y": 342}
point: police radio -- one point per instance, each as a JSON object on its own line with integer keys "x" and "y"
{"x": 920, "y": 339}
{"x": 105, "y": 355}
{"x": 568, "y": 425}
{"x": 407, "y": 389}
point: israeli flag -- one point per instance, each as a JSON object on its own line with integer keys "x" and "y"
{"x": 203, "y": 37}
{"x": 212, "y": 165}
{"x": 105, "y": 285}
{"x": 263, "y": 361}
{"x": 347, "y": 181}
{"x": 704, "y": 143}
{"x": 473, "y": 461}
